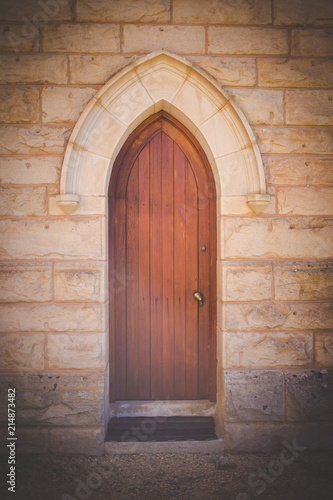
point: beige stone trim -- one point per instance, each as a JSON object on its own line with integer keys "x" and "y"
{"x": 161, "y": 81}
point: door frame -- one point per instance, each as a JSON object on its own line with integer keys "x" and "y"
{"x": 139, "y": 137}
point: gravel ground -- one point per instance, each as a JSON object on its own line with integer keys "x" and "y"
{"x": 173, "y": 476}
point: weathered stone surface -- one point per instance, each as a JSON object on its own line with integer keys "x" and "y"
{"x": 33, "y": 139}
{"x": 309, "y": 395}
{"x": 75, "y": 441}
{"x": 33, "y": 69}
{"x": 249, "y": 41}
{"x": 81, "y": 38}
{"x": 303, "y": 12}
{"x": 296, "y": 281}
{"x": 312, "y": 42}
{"x": 19, "y": 105}
{"x": 298, "y": 170}
{"x": 34, "y": 239}
{"x": 268, "y": 438}
{"x": 295, "y": 140}
{"x": 12, "y": 38}
{"x": 75, "y": 351}
{"x": 305, "y": 200}
{"x": 140, "y": 11}
{"x": 23, "y": 201}
{"x": 30, "y": 170}
{"x": 229, "y": 70}
{"x": 279, "y": 316}
{"x": 236, "y": 205}
{"x": 227, "y": 12}
{"x": 267, "y": 350}
{"x": 25, "y": 285}
{"x": 38, "y": 11}
{"x": 180, "y": 39}
{"x": 261, "y": 107}
{"x": 64, "y": 104}
{"x": 324, "y": 348}
{"x": 33, "y": 440}
{"x": 85, "y": 283}
{"x": 64, "y": 381}
{"x": 51, "y": 317}
{"x": 309, "y": 107}
{"x": 246, "y": 282}
{"x": 254, "y": 395}
{"x": 287, "y": 238}
{"x": 95, "y": 69}
{"x": 295, "y": 72}
{"x": 22, "y": 352}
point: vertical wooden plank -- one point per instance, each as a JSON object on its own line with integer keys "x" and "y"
{"x": 118, "y": 290}
{"x": 192, "y": 285}
{"x": 132, "y": 220}
{"x": 204, "y": 287}
{"x": 156, "y": 267}
{"x": 168, "y": 272}
{"x": 179, "y": 270}
{"x": 144, "y": 277}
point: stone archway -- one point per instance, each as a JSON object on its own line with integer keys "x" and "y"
{"x": 162, "y": 81}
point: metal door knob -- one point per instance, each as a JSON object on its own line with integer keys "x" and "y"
{"x": 198, "y": 297}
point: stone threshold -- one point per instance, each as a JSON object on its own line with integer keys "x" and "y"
{"x": 215, "y": 446}
{"x": 163, "y": 408}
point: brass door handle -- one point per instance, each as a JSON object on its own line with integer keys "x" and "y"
{"x": 198, "y": 297}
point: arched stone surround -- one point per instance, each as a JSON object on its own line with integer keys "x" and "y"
{"x": 169, "y": 82}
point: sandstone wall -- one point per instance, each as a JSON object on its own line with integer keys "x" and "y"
{"x": 275, "y": 319}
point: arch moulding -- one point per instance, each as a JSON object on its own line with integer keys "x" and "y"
{"x": 150, "y": 84}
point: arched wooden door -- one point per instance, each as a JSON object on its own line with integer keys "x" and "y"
{"x": 162, "y": 251}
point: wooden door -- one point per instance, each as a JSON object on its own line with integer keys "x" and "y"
{"x": 162, "y": 251}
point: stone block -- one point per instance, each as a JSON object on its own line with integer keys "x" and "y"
{"x": 267, "y": 350}
{"x": 39, "y": 68}
{"x": 62, "y": 238}
{"x": 295, "y": 72}
{"x": 280, "y": 316}
{"x": 23, "y": 201}
{"x": 136, "y": 11}
{"x": 324, "y": 349}
{"x": 25, "y": 285}
{"x": 208, "y": 12}
{"x": 312, "y": 42}
{"x": 305, "y": 170}
{"x": 32, "y": 440}
{"x": 303, "y": 281}
{"x": 273, "y": 238}
{"x": 89, "y": 38}
{"x": 247, "y": 41}
{"x": 309, "y": 395}
{"x": 22, "y": 352}
{"x": 295, "y": 140}
{"x": 76, "y": 441}
{"x": 242, "y": 282}
{"x": 261, "y": 107}
{"x": 19, "y": 105}
{"x": 179, "y": 39}
{"x": 64, "y": 104}
{"x": 51, "y": 318}
{"x": 254, "y": 396}
{"x": 89, "y": 205}
{"x": 79, "y": 283}
{"x": 38, "y": 11}
{"x": 13, "y": 39}
{"x": 95, "y": 69}
{"x": 49, "y": 382}
{"x": 75, "y": 351}
{"x": 309, "y": 107}
{"x": 33, "y": 139}
{"x": 30, "y": 170}
{"x": 305, "y": 200}
{"x": 229, "y": 70}
{"x": 268, "y": 438}
{"x": 236, "y": 205}
{"x": 303, "y": 13}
